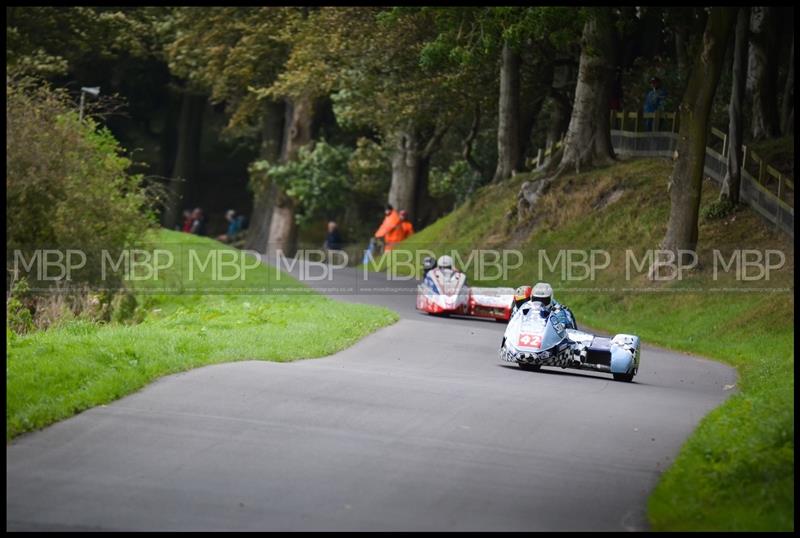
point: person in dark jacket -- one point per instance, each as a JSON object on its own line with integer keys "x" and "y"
{"x": 198, "y": 222}
{"x": 333, "y": 239}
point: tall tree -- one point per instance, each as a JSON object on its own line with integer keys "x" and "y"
{"x": 233, "y": 52}
{"x": 588, "y": 140}
{"x": 264, "y": 191}
{"x": 732, "y": 181}
{"x": 368, "y": 60}
{"x": 787, "y": 108}
{"x": 508, "y": 127}
{"x": 297, "y": 133}
{"x": 686, "y": 182}
{"x": 184, "y": 169}
{"x": 523, "y": 43}
{"x": 762, "y": 77}
{"x": 686, "y": 24}
{"x": 560, "y": 96}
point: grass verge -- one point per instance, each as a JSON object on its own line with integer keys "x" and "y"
{"x": 53, "y": 374}
{"x": 736, "y": 471}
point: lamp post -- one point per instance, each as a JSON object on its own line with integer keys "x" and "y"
{"x": 94, "y": 91}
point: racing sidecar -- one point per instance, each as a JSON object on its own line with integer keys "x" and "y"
{"x": 444, "y": 291}
{"x": 537, "y": 336}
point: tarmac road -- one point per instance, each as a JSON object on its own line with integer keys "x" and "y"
{"x": 419, "y": 426}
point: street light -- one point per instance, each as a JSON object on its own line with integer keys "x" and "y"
{"x": 94, "y": 91}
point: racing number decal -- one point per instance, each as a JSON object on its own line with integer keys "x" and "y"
{"x": 530, "y": 340}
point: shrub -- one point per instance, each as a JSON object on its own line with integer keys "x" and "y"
{"x": 19, "y": 317}
{"x": 318, "y": 180}
{"x": 718, "y": 209}
{"x": 67, "y": 180}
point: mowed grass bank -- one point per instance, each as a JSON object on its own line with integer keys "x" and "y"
{"x": 736, "y": 472}
{"x": 53, "y": 374}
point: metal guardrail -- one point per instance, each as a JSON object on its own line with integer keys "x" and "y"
{"x": 769, "y": 192}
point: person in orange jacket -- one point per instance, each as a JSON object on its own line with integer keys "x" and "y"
{"x": 390, "y": 222}
{"x": 405, "y": 225}
{"x": 402, "y": 230}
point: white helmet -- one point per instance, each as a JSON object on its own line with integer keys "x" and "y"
{"x": 444, "y": 262}
{"x": 542, "y": 292}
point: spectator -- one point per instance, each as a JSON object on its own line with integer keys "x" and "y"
{"x": 234, "y": 226}
{"x": 654, "y": 101}
{"x": 390, "y": 221}
{"x": 187, "y": 221}
{"x": 333, "y": 239}
{"x": 405, "y": 225}
{"x": 401, "y": 230}
{"x": 198, "y": 222}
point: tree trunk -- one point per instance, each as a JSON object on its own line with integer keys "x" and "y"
{"x": 561, "y": 103}
{"x": 405, "y": 171}
{"x": 424, "y": 205}
{"x": 532, "y": 97}
{"x": 732, "y": 182}
{"x": 687, "y": 175}
{"x": 466, "y": 145}
{"x": 762, "y": 74}
{"x": 184, "y": 170}
{"x": 297, "y": 133}
{"x": 787, "y": 110}
{"x": 588, "y": 140}
{"x": 508, "y": 128}
{"x": 682, "y": 47}
{"x": 264, "y": 196}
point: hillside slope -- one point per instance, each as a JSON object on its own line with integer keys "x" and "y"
{"x": 737, "y": 470}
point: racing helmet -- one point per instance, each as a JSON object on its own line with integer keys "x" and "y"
{"x": 543, "y": 293}
{"x": 522, "y": 293}
{"x": 445, "y": 262}
{"x": 428, "y": 263}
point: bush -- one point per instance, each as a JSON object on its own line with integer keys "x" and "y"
{"x": 370, "y": 169}
{"x": 318, "y": 180}
{"x": 19, "y": 317}
{"x": 67, "y": 181}
{"x": 718, "y": 209}
{"x": 459, "y": 181}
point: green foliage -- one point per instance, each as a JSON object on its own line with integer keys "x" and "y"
{"x": 235, "y": 53}
{"x": 369, "y": 168}
{"x": 459, "y": 181}
{"x": 19, "y": 318}
{"x": 318, "y": 180}
{"x": 123, "y": 307}
{"x": 47, "y": 41}
{"x": 67, "y": 183}
{"x": 718, "y": 209}
{"x": 473, "y": 36}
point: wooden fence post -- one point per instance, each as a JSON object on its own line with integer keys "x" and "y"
{"x": 636, "y": 122}
{"x": 657, "y": 121}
